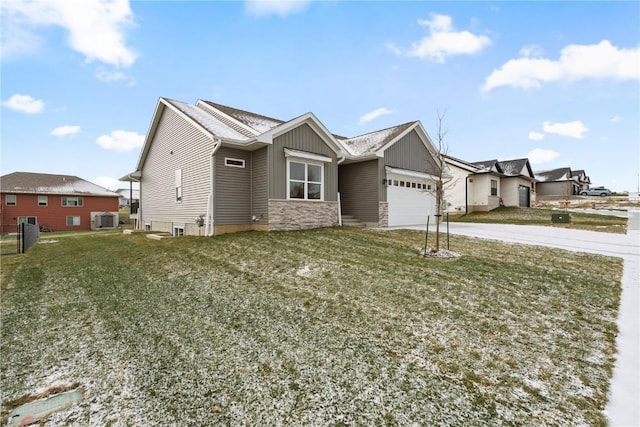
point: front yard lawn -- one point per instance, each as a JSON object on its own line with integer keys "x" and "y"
{"x": 540, "y": 216}
{"x": 319, "y": 327}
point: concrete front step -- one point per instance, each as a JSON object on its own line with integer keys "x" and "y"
{"x": 350, "y": 221}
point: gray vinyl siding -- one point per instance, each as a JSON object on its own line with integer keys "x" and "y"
{"x": 301, "y": 138}
{"x": 358, "y": 190}
{"x": 177, "y": 144}
{"x": 260, "y": 187}
{"x": 232, "y": 194}
{"x": 410, "y": 153}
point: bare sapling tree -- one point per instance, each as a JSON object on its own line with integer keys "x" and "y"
{"x": 442, "y": 177}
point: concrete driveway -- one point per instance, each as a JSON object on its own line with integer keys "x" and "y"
{"x": 623, "y": 408}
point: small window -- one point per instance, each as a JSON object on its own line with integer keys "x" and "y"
{"x": 43, "y": 200}
{"x": 72, "y": 201}
{"x": 178, "y": 231}
{"x": 234, "y": 163}
{"x": 413, "y": 185}
{"x": 395, "y": 182}
{"x": 147, "y": 227}
{"x": 178, "y": 185}
{"x": 27, "y": 220}
{"x": 73, "y": 220}
{"x": 494, "y": 187}
{"x": 10, "y": 200}
{"x": 429, "y": 187}
{"x": 401, "y": 183}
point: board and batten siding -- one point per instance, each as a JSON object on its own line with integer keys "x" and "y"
{"x": 358, "y": 190}
{"x": 411, "y": 154}
{"x": 259, "y": 186}
{"x": 232, "y": 193}
{"x": 301, "y": 138}
{"x": 177, "y": 144}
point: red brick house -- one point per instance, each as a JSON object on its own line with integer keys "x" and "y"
{"x": 57, "y": 202}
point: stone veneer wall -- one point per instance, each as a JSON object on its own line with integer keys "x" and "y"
{"x": 301, "y": 214}
{"x": 383, "y": 214}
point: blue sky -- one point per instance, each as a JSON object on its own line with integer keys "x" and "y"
{"x": 556, "y": 82}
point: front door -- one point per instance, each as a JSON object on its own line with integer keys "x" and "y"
{"x": 523, "y": 196}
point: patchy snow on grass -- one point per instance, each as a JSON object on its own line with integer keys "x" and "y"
{"x": 335, "y": 326}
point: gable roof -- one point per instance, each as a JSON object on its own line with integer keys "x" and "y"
{"x": 371, "y": 142}
{"x": 488, "y": 166}
{"x": 43, "y": 183}
{"x": 257, "y": 122}
{"x": 515, "y": 167}
{"x": 560, "y": 174}
{"x": 462, "y": 164}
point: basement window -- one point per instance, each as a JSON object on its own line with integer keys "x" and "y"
{"x": 234, "y": 163}
{"x": 178, "y": 231}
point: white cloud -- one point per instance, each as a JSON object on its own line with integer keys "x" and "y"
{"x": 366, "y": 118}
{"x": 65, "y": 130}
{"x": 121, "y": 140}
{"x": 24, "y": 103}
{"x": 531, "y": 51}
{"x": 575, "y": 129}
{"x": 108, "y": 182}
{"x": 536, "y": 136}
{"x": 540, "y": 155}
{"x": 113, "y": 76}
{"x": 616, "y": 119}
{"x": 442, "y": 41}
{"x": 596, "y": 61}
{"x": 96, "y": 28}
{"x": 275, "y": 7}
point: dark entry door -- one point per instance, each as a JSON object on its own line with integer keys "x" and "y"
{"x": 523, "y": 196}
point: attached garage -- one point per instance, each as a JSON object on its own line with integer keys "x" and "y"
{"x": 410, "y": 196}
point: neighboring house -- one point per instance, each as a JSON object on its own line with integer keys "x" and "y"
{"x": 237, "y": 170}
{"x": 556, "y": 182}
{"x": 59, "y": 202}
{"x": 486, "y": 185}
{"x": 580, "y": 176}
{"x": 126, "y": 198}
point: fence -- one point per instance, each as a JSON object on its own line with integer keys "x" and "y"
{"x": 28, "y": 235}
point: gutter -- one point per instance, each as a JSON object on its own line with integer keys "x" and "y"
{"x": 208, "y": 224}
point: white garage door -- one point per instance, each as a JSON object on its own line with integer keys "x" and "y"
{"x": 411, "y": 199}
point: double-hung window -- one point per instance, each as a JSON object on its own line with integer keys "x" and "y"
{"x": 73, "y": 220}
{"x": 43, "y": 200}
{"x": 11, "y": 200}
{"x": 72, "y": 201}
{"x": 305, "y": 175}
{"x": 494, "y": 187}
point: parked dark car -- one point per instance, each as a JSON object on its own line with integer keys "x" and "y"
{"x": 596, "y": 191}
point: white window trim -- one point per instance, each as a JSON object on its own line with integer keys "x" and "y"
{"x": 66, "y": 220}
{"x": 227, "y": 159}
{"x": 15, "y": 200}
{"x": 303, "y": 155}
{"x": 46, "y": 201}
{"x": 178, "y": 186}
{"x": 305, "y": 162}
{"x": 25, "y": 219}
{"x": 79, "y": 201}
{"x": 177, "y": 229}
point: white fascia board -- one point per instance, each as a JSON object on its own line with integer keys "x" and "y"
{"x": 307, "y": 156}
{"x": 413, "y": 174}
{"x": 200, "y": 103}
{"x": 460, "y": 165}
{"x": 132, "y": 176}
{"x": 312, "y": 121}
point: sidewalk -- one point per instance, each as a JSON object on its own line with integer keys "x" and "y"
{"x": 624, "y": 395}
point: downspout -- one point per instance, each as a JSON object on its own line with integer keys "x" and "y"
{"x": 466, "y": 195}
{"x": 208, "y": 229}
{"x": 340, "y": 160}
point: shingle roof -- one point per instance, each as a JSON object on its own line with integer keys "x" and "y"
{"x": 560, "y": 174}
{"x": 208, "y": 121}
{"x": 513, "y": 167}
{"x": 487, "y": 165}
{"x": 255, "y": 121}
{"x": 371, "y": 142}
{"x": 42, "y": 183}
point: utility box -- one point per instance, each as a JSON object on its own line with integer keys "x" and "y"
{"x": 564, "y": 218}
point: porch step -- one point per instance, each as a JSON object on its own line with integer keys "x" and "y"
{"x": 351, "y": 221}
